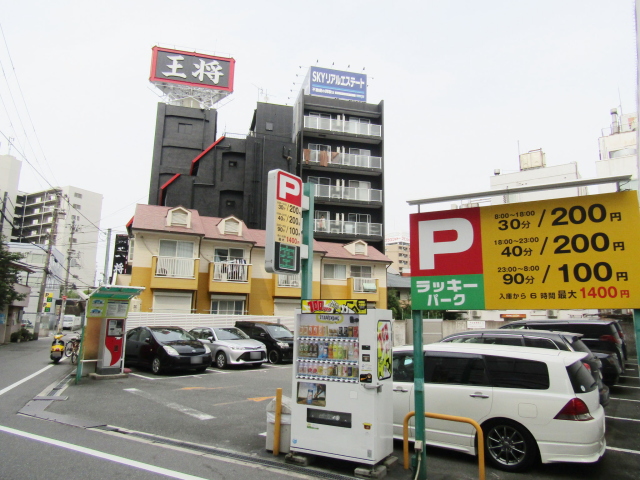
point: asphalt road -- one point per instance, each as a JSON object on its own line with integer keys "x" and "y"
{"x": 213, "y": 426}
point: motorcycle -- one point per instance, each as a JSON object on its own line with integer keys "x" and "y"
{"x": 57, "y": 348}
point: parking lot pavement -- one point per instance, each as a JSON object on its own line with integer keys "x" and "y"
{"x": 226, "y": 410}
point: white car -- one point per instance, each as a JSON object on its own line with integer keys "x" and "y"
{"x": 531, "y": 403}
{"x": 231, "y": 346}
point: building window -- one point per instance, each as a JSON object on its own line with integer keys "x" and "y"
{"x": 185, "y": 128}
{"x": 77, "y": 195}
{"x": 172, "y": 302}
{"x": 179, "y": 218}
{"x": 77, "y": 206}
{"x": 319, "y": 180}
{"x": 231, "y": 227}
{"x": 227, "y": 305}
{"x": 175, "y": 248}
{"x": 229, "y": 255}
{"x": 335, "y": 272}
{"x": 362, "y": 271}
{"x": 359, "y": 217}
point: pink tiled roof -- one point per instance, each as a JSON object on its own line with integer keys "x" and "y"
{"x": 152, "y": 217}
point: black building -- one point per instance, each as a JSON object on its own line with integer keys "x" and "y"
{"x": 335, "y": 144}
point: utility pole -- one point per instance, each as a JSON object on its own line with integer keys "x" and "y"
{"x": 45, "y": 269}
{"x": 105, "y": 274}
{"x": 70, "y": 251}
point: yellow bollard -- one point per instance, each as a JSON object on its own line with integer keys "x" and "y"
{"x": 276, "y": 426}
{"x": 453, "y": 418}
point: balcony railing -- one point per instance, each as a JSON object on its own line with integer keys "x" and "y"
{"x": 348, "y": 159}
{"x": 292, "y": 281}
{"x": 230, "y": 272}
{"x": 365, "y": 285}
{"x": 175, "y": 267}
{"x": 349, "y": 193}
{"x": 344, "y": 126}
{"x": 349, "y": 228}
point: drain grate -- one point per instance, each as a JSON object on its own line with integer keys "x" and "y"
{"x": 308, "y": 471}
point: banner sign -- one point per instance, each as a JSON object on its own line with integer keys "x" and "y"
{"x": 192, "y": 69}
{"x": 324, "y": 82}
{"x": 334, "y": 306}
{"x": 568, "y": 253}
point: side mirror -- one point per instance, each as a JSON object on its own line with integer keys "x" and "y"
{"x": 147, "y": 340}
{"x": 263, "y": 334}
{"x": 210, "y": 339}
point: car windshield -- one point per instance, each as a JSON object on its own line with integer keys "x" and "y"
{"x": 171, "y": 334}
{"x": 279, "y": 331}
{"x": 230, "y": 333}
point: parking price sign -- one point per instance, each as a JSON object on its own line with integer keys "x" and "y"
{"x": 284, "y": 222}
{"x": 568, "y": 253}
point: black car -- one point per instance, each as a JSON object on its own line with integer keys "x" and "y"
{"x": 598, "y": 335}
{"x": 277, "y": 338}
{"x": 538, "y": 339}
{"x": 165, "y": 348}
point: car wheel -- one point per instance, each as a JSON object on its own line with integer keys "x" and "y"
{"x": 274, "y": 356}
{"x": 509, "y": 446}
{"x": 221, "y": 360}
{"x": 156, "y": 366}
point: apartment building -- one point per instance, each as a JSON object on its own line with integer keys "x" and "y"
{"x": 190, "y": 263}
{"x": 397, "y": 249}
{"x": 341, "y": 150}
{"x": 618, "y": 145}
{"x": 77, "y": 232}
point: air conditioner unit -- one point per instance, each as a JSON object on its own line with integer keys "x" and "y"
{"x": 476, "y": 314}
{"x": 552, "y": 313}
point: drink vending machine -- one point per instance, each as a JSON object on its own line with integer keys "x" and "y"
{"x": 342, "y": 386}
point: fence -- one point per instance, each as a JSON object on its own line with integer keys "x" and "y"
{"x": 193, "y": 320}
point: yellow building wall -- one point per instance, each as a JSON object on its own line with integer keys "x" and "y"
{"x": 261, "y": 297}
{"x": 203, "y": 297}
{"x": 140, "y": 277}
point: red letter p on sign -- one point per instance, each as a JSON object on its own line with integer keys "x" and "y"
{"x": 289, "y": 188}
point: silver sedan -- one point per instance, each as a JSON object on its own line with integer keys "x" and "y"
{"x": 231, "y": 346}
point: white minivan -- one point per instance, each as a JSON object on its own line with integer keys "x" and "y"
{"x": 71, "y": 322}
{"x": 531, "y": 403}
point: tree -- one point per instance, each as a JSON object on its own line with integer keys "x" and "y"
{"x": 8, "y": 275}
{"x": 400, "y": 310}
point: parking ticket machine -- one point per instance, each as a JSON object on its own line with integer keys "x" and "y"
{"x": 111, "y": 346}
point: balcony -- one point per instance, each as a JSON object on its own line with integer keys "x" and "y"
{"x": 175, "y": 267}
{"x": 287, "y": 285}
{"x": 343, "y": 126}
{"x": 176, "y": 273}
{"x": 230, "y": 277}
{"x": 365, "y": 285}
{"x": 348, "y": 193}
{"x": 230, "y": 272}
{"x": 325, "y": 159}
{"x": 347, "y": 228}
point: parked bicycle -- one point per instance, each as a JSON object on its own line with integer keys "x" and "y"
{"x": 72, "y": 349}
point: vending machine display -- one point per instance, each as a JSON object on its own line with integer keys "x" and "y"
{"x": 342, "y": 381}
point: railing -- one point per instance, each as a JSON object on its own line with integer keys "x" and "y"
{"x": 345, "y": 126}
{"x": 348, "y": 159}
{"x": 365, "y": 285}
{"x": 230, "y": 272}
{"x": 286, "y": 280}
{"x": 348, "y": 228}
{"x": 175, "y": 267}
{"x": 349, "y": 193}
{"x": 622, "y": 127}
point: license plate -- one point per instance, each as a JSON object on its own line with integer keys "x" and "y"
{"x": 255, "y": 355}
{"x": 196, "y": 360}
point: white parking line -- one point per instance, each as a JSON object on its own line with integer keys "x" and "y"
{"x": 624, "y": 399}
{"x": 103, "y": 455}
{"x": 20, "y": 382}
{"x": 620, "y": 418}
{"x": 626, "y": 386}
{"x": 623, "y": 450}
{"x": 175, "y": 406}
{"x": 624, "y": 376}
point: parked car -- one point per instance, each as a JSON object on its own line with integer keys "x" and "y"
{"x": 165, "y": 348}
{"x": 598, "y": 335}
{"x": 231, "y": 346}
{"x": 71, "y": 322}
{"x": 531, "y": 403}
{"x": 277, "y": 338}
{"x": 538, "y": 339}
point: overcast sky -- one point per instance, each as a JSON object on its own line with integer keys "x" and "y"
{"x": 466, "y": 85}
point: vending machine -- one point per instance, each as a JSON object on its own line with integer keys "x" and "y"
{"x": 342, "y": 404}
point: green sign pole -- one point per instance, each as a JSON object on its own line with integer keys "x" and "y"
{"x": 418, "y": 389}
{"x": 306, "y": 266}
